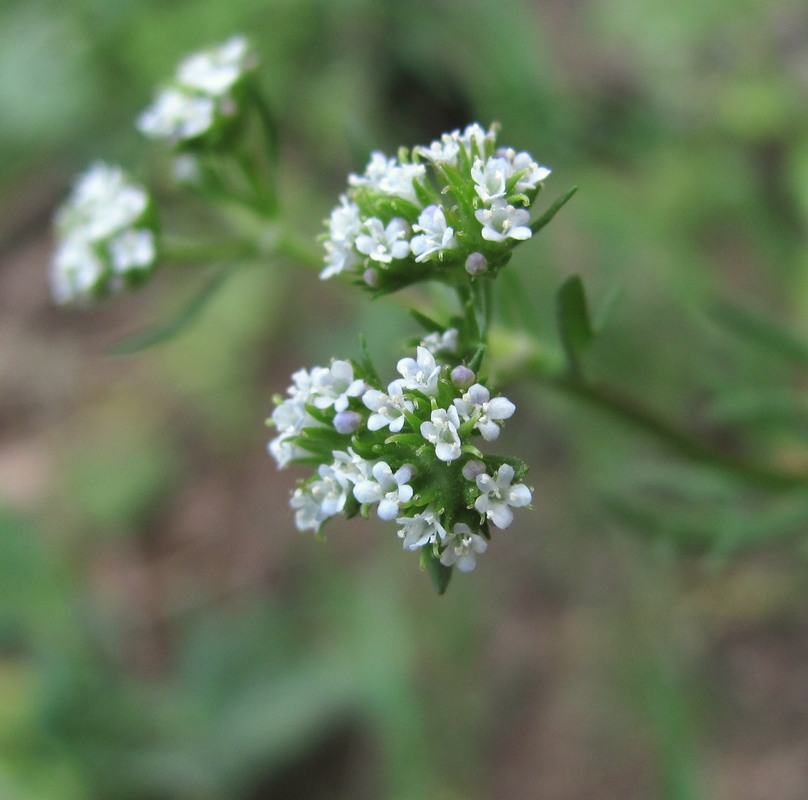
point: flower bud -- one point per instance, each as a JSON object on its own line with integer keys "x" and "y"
{"x": 463, "y": 377}
{"x": 371, "y": 277}
{"x": 476, "y": 264}
{"x": 471, "y": 469}
{"x": 347, "y": 421}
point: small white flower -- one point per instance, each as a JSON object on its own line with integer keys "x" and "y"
{"x": 476, "y": 403}
{"x": 383, "y": 244}
{"x": 355, "y": 468}
{"x": 321, "y": 499}
{"x": 344, "y": 226}
{"x": 491, "y": 178}
{"x": 442, "y": 152}
{"x": 445, "y": 342}
{"x": 335, "y": 385}
{"x": 420, "y": 373}
{"x": 503, "y": 221}
{"x": 386, "y": 488}
{"x": 498, "y": 496}
{"x": 388, "y": 409}
{"x": 214, "y": 72}
{"x": 134, "y": 248}
{"x": 462, "y": 547}
{"x": 307, "y": 511}
{"x": 474, "y": 138}
{"x": 75, "y": 270}
{"x": 435, "y": 237}
{"x": 387, "y": 176}
{"x": 177, "y": 115}
{"x": 421, "y": 529}
{"x": 442, "y": 431}
{"x": 103, "y": 201}
{"x": 533, "y": 175}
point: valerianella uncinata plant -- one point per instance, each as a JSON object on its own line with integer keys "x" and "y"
{"x": 410, "y": 449}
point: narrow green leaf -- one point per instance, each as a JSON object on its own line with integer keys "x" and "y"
{"x": 574, "y": 326}
{"x": 427, "y": 323}
{"x": 367, "y": 363}
{"x": 176, "y": 324}
{"x": 548, "y": 215}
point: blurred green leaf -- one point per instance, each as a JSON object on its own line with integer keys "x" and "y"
{"x": 574, "y": 326}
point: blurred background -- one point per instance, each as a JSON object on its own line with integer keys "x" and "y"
{"x": 165, "y": 634}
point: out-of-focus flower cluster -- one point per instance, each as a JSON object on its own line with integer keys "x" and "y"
{"x": 203, "y": 96}
{"x": 462, "y": 202}
{"x": 405, "y": 450}
{"x": 105, "y": 236}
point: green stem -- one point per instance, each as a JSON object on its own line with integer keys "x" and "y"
{"x": 629, "y": 410}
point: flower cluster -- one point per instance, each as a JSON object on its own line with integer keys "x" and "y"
{"x": 202, "y": 96}
{"x": 404, "y": 449}
{"x": 461, "y": 202}
{"x": 105, "y": 236}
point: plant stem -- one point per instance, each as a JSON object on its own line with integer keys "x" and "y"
{"x": 629, "y": 410}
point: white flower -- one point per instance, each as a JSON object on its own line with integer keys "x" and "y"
{"x": 420, "y": 373}
{"x": 355, "y": 468}
{"x": 307, "y": 511}
{"x": 445, "y": 342}
{"x": 436, "y": 236}
{"x": 491, "y": 178}
{"x": 498, "y": 496}
{"x": 421, "y": 529}
{"x": 214, "y": 72}
{"x": 387, "y": 488}
{"x": 104, "y": 200}
{"x": 442, "y": 431}
{"x": 388, "y": 409}
{"x": 442, "y": 152}
{"x": 476, "y": 403}
{"x": 75, "y": 270}
{"x": 381, "y": 243}
{"x": 474, "y": 138}
{"x": 462, "y": 546}
{"x": 503, "y": 221}
{"x": 177, "y": 115}
{"x": 134, "y": 248}
{"x": 387, "y": 176}
{"x": 533, "y": 175}
{"x": 335, "y": 385}
{"x": 321, "y": 499}
{"x": 344, "y": 226}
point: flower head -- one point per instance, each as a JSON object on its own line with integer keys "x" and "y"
{"x": 105, "y": 236}
{"x": 201, "y": 95}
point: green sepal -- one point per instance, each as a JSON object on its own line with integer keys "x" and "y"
{"x": 408, "y": 439}
{"x": 440, "y": 574}
{"x": 574, "y": 327}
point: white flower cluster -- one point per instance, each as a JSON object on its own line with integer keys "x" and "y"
{"x": 408, "y": 218}
{"x": 105, "y": 236}
{"x": 200, "y": 95}
{"x": 404, "y": 449}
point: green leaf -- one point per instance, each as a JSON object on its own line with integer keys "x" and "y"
{"x": 176, "y": 324}
{"x": 574, "y": 326}
{"x": 548, "y": 215}
{"x": 762, "y": 332}
{"x": 427, "y": 323}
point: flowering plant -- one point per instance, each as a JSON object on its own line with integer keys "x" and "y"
{"x": 411, "y": 449}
